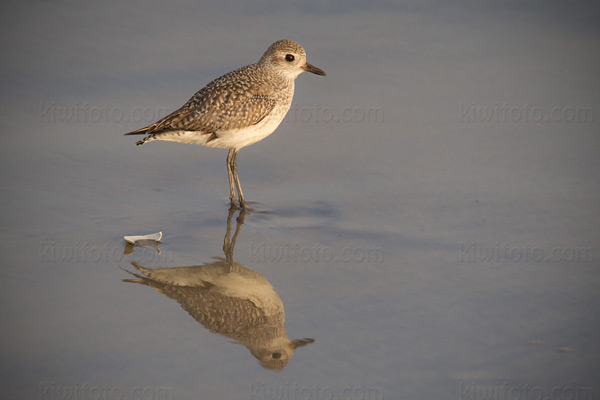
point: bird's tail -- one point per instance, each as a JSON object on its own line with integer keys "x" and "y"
{"x": 142, "y": 131}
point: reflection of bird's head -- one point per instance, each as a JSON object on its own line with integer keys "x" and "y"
{"x": 277, "y": 356}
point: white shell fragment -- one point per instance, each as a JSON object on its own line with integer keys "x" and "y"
{"x": 155, "y": 237}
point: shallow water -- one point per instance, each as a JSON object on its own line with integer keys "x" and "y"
{"x": 427, "y": 213}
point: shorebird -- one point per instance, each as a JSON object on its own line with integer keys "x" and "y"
{"x": 238, "y": 109}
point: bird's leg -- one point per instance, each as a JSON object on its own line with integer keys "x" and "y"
{"x": 230, "y": 163}
{"x": 238, "y": 186}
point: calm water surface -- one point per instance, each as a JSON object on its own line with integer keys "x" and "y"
{"x": 427, "y": 221}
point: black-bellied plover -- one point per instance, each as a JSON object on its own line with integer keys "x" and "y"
{"x": 238, "y": 109}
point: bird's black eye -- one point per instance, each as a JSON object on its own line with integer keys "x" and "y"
{"x": 277, "y": 356}
{"x": 289, "y": 58}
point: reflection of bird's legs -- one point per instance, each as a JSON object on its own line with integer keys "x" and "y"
{"x": 227, "y": 248}
{"x": 229, "y": 244}
{"x": 230, "y": 162}
{"x": 239, "y": 221}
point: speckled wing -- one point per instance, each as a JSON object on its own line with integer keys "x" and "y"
{"x": 233, "y": 101}
{"x": 236, "y": 100}
{"x": 236, "y": 113}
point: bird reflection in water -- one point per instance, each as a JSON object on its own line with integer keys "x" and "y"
{"x": 230, "y": 300}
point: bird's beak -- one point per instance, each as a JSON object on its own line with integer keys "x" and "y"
{"x": 311, "y": 68}
{"x": 302, "y": 342}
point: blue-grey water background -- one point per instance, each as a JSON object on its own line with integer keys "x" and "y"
{"x": 432, "y": 204}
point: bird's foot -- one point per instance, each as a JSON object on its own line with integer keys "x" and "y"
{"x": 244, "y": 206}
{"x": 240, "y": 204}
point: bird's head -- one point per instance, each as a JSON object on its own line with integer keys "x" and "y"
{"x": 288, "y": 57}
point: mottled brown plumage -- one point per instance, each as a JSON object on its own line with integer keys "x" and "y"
{"x": 238, "y": 109}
